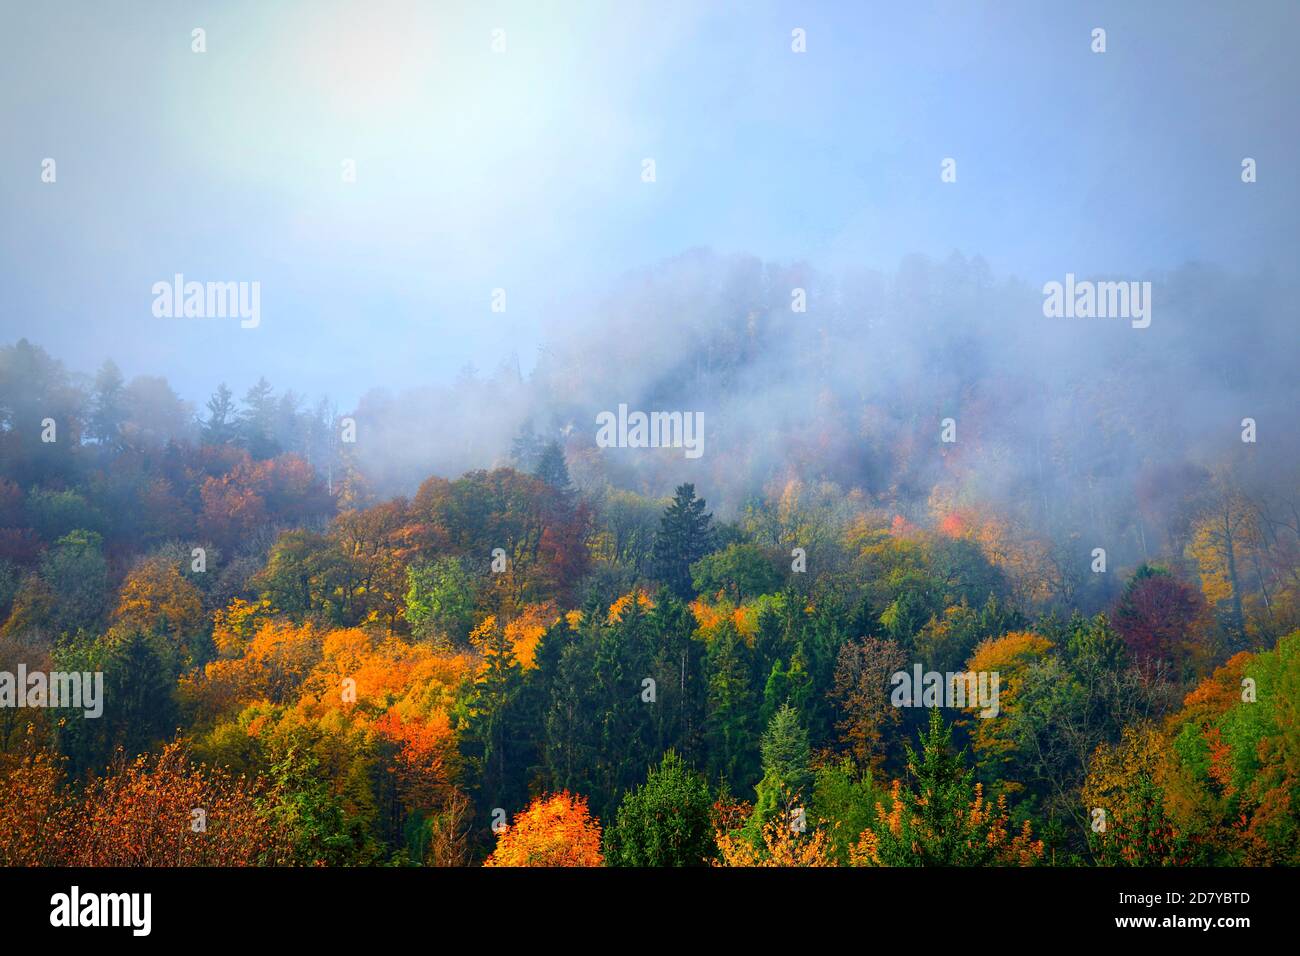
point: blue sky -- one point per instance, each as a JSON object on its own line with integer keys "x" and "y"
{"x": 521, "y": 170}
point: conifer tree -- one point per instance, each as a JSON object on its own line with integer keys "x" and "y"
{"x": 667, "y": 821}
{"x": 685, "y": 535}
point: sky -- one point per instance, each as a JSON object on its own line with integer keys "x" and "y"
{"x": 522, "y": 169}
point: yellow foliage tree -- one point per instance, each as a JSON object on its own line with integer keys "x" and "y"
{"x": 555, "y": 830}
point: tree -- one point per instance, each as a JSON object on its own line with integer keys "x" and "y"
{"x": 667, "y": 821}
{"x": 77, "y": 573}
{"x": 1157, "y": 616}
{"x": 861, "y": 690}
{"x": 844, "y": 803}
{"x": 941, "y": 817}
{"x": 155, "y": 414}
{"x": 440, "y": 599}
{"x": 779, "y": 845}
{"x": 685, "y": 535}
{"x": 1125, "y": 783}
{"x": 554, "y": 830}
{"x": 306, "y": 576}
{"x": 142, "y": 814}
{"x": 553, "y": 470}
{"x": 493, "y": 738}
{"x": 219, "y": 428}
{"x": 1015, "y": 658}
{"x": 786, "y": 778}
{"x": 156, "y": 597}
{"x": 732, "y": 705}
{"x": 107, "y": 408}
{"x": 739, "y": 572}
{"x": 526, "y": 448}
{"x": 256, "y": 426}
{"x": 1223, "y": 532}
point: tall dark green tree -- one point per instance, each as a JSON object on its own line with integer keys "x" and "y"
{"x": 526, "y": 448}
{"x": 553, "y": 469}
{"x": 624, "y": 717}
{"x": 733, "y": 708}
{"x": 139, "y": 709}
{"x": 685, "y": 535}
{"x": 936, "y": 823}
{"x": 495, "y": 739}
{"x": 682, "y": 683}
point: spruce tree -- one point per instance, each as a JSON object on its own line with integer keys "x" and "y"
{"x": 553, "y": 469}
{"x": 219, "y": 427}
{"x": 685, "y": 535}
{"x": 786, "y": 778}
{"x": 732, "y": 706}
{"x": 257, "y": 422}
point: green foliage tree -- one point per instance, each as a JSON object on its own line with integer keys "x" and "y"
{"x": 739, "y": 571}
{"x": 667, "y": 821}
{"x": 733, "y": 704}
{"x": 939, "y": 816}
{"x": 76, "y": 572}
{"x": 844, "y": 802}
{"x": 786, "y": 777}
{"x": 440, "y": 599}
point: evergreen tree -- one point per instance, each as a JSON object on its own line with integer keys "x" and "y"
{"x": 257, "y": 421}
{"x": 667, "y": 821}
{"x": 625, "y": 721}
{"x": 495, "y": 740}
{"x": 526, "y": 449}
{"x": 107, "y": 409}
{"x": 139, "y": 709}
{"x": 553, "y": 469}
{"x": 679, "y": 672}
{"x": 732, "y": 706}
{"x": 940, "y": 817}
{"x": 219, "y": 427}
{"x": 786, "y": 778}
{"x": 685, "y": 535}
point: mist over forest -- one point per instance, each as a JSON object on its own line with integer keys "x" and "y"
{"x": 1083, "y": 432}
{"x": 352, "y": 512}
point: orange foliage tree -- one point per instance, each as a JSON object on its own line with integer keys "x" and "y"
{"x": 151, "y": 811}
{"x": 555, "y": 830}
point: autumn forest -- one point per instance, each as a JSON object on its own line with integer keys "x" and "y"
{"x": 540, "y": 663}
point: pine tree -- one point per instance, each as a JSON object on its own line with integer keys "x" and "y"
{"x": 526, "y": 449}
{"x": 107, "y": 412}
{"x": 219, "y": 427}
{"x": 625, "y": 721}
{"x": 941, "y": 818}
{"x": 553, "y": 469}
{"x": 679, "y": 671}
{"x": 685, "y": 535}
{"x": 257, "y": 421}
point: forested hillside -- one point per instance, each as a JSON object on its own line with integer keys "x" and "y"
{"x": 517, "y": 665}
